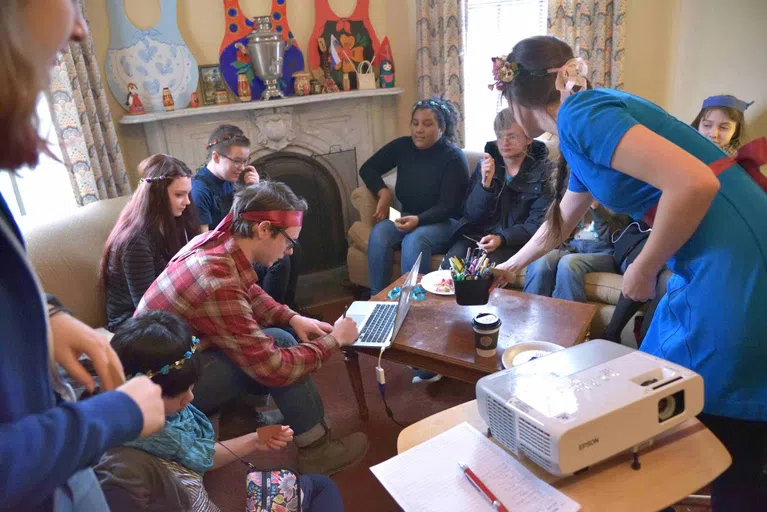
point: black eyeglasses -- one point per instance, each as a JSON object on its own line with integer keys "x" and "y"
{"x": 239, "y": 162}
{"x": 293, "y": 242}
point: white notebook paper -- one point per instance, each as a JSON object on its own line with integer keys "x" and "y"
{"x": 427, "y": 477}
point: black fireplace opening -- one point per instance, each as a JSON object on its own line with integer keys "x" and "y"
{"x": 323, "y": 244}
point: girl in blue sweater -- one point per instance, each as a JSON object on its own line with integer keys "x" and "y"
{"x": 48, "y": 442}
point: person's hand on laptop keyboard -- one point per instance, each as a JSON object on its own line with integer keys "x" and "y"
{"x": 345, "y": 331}
{"x": 309, "y": 328}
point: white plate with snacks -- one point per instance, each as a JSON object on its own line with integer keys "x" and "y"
{"x": 438, "y": 282}
{"x": 526, "y": 351}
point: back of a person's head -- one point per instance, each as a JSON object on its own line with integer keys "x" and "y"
{"x": 534, "y": 86}
{"x": 224, "y": 137}
{"x": 149, "y": 342}
{"x": 266, "y": 195}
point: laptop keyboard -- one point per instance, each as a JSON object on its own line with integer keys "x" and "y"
{"x": 379, "y": 324}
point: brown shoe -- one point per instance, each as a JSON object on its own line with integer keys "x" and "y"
{"x": 328, "y": 456}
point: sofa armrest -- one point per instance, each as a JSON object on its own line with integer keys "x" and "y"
{"x": 365, "y": 203}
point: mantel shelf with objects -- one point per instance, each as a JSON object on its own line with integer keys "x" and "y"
{"x": 257, "y": 105}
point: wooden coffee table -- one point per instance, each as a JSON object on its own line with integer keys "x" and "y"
{"x": 437, "y": 335}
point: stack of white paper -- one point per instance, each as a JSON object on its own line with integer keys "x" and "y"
{"x": 427, "y": 477}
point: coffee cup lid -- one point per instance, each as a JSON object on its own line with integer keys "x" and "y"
{"x": 486, "y": 321}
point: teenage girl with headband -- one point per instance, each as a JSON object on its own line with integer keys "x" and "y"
{"x": 635, "y": 158}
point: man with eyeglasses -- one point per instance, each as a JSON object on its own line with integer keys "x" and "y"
{"x": 213, "y": 189}
{"x": 246, "y": 349}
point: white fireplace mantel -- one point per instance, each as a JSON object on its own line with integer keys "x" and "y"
{"x": 152, "y": 117}
{"x": 309, "y": 125}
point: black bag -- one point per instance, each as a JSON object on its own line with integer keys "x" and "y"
{"x": 629, "y": 241}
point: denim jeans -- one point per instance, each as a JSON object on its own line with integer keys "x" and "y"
{"x": 385, "y": 238}
{"x": 561, "y": 273}
{"x": 222, "y": 381}
{"x": 320, "y": 494}
{"x": 82, "y": 492}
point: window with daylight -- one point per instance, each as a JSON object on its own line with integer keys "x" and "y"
{"x": 44, "y": 192}
{"x": 493, "y": 28}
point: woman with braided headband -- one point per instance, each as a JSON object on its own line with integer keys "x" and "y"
{"x": 159, "y": 220}
{"x": 635, "y": 158}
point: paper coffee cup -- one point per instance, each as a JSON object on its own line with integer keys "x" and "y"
{"x": 486, "y": 327}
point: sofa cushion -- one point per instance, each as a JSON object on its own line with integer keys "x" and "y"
{"x": 358, "y": 235}
{"x": 66, "y": 252}
{"x": 603, "y": 287}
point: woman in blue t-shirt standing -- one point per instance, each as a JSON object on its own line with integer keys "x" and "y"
{"x": 432, "y": 176}
{"x": 635, "y": 158}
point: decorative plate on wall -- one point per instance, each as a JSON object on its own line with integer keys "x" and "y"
{"x": 235, "y": 59}
{"x": 151, "y": 59}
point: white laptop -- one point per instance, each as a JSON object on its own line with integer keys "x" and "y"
{"x": 379, "y": 322}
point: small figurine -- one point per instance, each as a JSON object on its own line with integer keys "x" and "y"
{"x": 301, "y": 83}
{"x": 346, "y": 82}
{"x": 194, "y": 102}
{"x": 167, "y": 100}
{"x": 386, "y": 77}
{"x": 222, "y": 98}
{"x": 133, "y": 102}
{"x": 243, "y": 87}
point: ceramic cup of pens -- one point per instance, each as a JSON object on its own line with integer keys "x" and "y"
{"x": 472, "y": 278}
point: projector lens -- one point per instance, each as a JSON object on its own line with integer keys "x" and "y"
{"x": 666, "y": 408}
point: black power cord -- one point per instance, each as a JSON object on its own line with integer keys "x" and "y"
{"x": 381, "y": 379}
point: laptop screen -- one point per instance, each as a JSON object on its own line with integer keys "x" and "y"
{"x": 405, "y": 296}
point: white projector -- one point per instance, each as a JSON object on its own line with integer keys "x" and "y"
{"x": 574, "y": 408}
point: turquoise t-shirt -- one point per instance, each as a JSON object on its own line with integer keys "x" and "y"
{"x": 592, "y": 123}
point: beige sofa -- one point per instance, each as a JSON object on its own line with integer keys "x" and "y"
{"x": 602, "y": 289}
{"x": 66, "y": 253}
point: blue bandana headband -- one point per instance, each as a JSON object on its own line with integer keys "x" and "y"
{"x": 431, "y": 103}
{"x": 726, "y": 101}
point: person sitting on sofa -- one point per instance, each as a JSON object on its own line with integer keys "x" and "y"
{"x": 213, "y": 189}
{"x": 211, "y": 284}
{"x": 158, "y": 221}
{"x": 508, "y": 194}
{"x": 561, "y": 273}
{"x": 161, "y": 346}
{"x": 432, "y": 175}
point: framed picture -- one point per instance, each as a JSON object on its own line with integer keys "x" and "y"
{"x": 211, "y": 82}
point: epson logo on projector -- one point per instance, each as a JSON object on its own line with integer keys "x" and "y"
{"x": 587, "y": 444}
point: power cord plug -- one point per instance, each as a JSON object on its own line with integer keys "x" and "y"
{"x": 381, "y": 379}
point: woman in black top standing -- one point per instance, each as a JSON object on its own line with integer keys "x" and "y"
{"x": 432, "y": 176}
{"x": 158, "y": 221}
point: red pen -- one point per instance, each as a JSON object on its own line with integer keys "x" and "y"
{"x": 476, "y": 482}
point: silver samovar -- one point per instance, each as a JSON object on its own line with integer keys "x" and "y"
{"x": 266, "y": 51}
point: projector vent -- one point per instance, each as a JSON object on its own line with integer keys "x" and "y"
{"x": 544, "y": 463}
{"x": 534, "y": 437}
{"x": 503, "y": 424}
